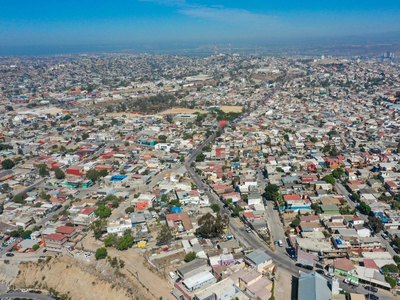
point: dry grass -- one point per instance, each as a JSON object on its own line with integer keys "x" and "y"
{"x": 227, "y": 109}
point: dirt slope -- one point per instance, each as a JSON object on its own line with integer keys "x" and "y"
{"x": 79, "y": 280}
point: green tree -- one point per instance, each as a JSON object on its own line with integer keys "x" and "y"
{"x": 326, "y": 148}
{"x": 103, "y": 211}
{"x": 101, "y": 253}
{"x": 110, "y": 240}
{"x": 103, "y": 173}
{"x": 376, "y": 224}
{"x": 329, "y": 179}
{"x": 392, "y": 268}
{"x": 397, "y": 242}
{"x": 59, "y": 173}
{"x": 337, "y": 172}
{"x": 164, "y": 235}
{"x": 129, "y": 210}
{"x": 85, "y": 136}
{"x": 215, "y": 207}
{"x": 190, "y": 256}
{"x": 26, "y": 234}
{"x": 296, "y": 222}
{"x": 162, "y": 138}
{"x": 391, "y": 281}
{"x": 396, "y": 258}
{"x": 355, "y": 197}
{"x": 125, "y": 242}
{"x": 19, "y": 198}
{"x": 35, "y": 247}
{"x": 365, "y": 208}
{"x": 98, "y": 226}
{"x": 271, "y": 192}
{"x": 42, "y": 170}
{"x": 92, "y": 175}
{"x": 7, "y": 164}
{"x": 200, "y": 157}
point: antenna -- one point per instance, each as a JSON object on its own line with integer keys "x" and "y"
{"x": 215, "y": 50}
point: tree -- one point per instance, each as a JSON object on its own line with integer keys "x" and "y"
{"x": 85, "y": 136}
{"x": 376, "y": 224}
{"x": 397, "y": 242}
{"x": 365, "y": 208}
{"x": 92, "y": 175}
{"x": 337, "y": 172}
{"x": 211, "y": 226}
{"x": 129, "y": 210}
{"x": 103, "y": 173}
{"x": 391, "y": 281}
{"x": 103, "y": 211}
{"x": 19, "y": 198}
{"x": 98, "y": 227}
{"x": 200, "y": 157}
{"x": 326, "y": 149}
{"x": 313, "y": 140}
{"x": 355, "y": 197}
{"x": 26, "y": 234}
{"x": 296, "y": 222}
{"x": 317, "y": 208}
{"x": 59, "y": 173}
{"x": 215, "y": 207}
{"x": 14, "y": 233}
{"x": 396, "y": 258}
{"x": 7, "y": 164}
{"x": 162, "y": 138}
{"x": 164, "y": 236}
{"x": 329, "y": 179}
{"x": 101, "y": 253}
{"x": 125, "y": 242}
{"x": 35, "y": 247}
{"x": 42, "y": 170}
{"x": 392, "y": 268}
{"x": 190, "y": 256}
{"x": 271, "y": 192}
{"x": 110, "y": 240}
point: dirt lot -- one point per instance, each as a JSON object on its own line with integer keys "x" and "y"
{"x": 227, "y": 109}
{"x": 180, "y": 111}
{"x": 282, "y": 284}
{"x": 137, "y": 266}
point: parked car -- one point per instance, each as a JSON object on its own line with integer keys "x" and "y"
{"x": 329, "y": 275}
{"x": 371, "y": 289}
{"x": 371, "y": 297}
{"x": 351, "y": 282}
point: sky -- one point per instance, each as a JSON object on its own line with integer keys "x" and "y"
{"x": 123, "y": 22}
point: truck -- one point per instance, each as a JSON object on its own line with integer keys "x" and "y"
{"x": 142, "y": 244}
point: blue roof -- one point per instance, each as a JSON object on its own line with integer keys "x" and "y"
{"x": 176, "y": 209}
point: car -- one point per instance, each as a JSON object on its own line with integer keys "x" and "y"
{"x": 275, "y": 242}
{"x": 385, "y": 237}
{"x": 371, "y": 288}
{"x": 351, "y": 282}
{"x": 329, "y": 275}
{"x": 280, "y": 243}
{"x": 371, "y": 297}
{"x": 24, "y": 291}
{"x": 38, "y": 292}
{"x": 320, "y": 272}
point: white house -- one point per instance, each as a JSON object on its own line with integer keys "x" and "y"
{"x": 118, "y": 227}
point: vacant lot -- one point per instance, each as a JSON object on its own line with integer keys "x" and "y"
{"x": 282, "y": 284}
{"x": 227, "y": 109}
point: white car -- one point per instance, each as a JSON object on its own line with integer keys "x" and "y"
{"x": 24, "y": 291}
{"x": 329, "y": 275}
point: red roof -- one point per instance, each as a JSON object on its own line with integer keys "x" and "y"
{"x": 309, "y": 218}
{"x": 292, "y": 197}
{"x": 87, "y": 210}
{"x": 55, "y": 236}
{"x": 65, "y": 229}
{"x": 370, "y": 263}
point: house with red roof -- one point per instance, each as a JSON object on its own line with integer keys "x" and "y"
{"x": 55, "y": 242}
{"x": 68, "y": 231}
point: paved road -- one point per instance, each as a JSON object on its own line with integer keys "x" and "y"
{"x": 27, "y": 296}
{"x": 353, "y": 205}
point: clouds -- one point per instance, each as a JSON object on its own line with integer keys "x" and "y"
{"x": 216, "y": 12}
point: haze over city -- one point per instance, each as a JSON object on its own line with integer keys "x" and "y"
{"x": 54, "y": 27}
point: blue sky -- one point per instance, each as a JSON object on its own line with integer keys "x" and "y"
{"x": 62, "y": 22}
